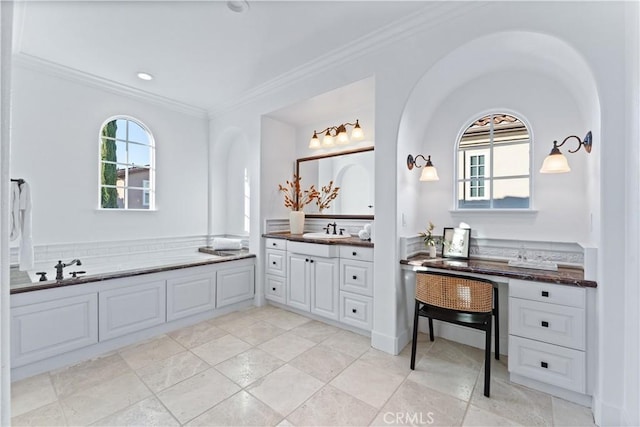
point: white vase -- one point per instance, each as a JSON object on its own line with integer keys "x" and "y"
{"x": 432, "y": 251}
{"x": 296, "y": 222}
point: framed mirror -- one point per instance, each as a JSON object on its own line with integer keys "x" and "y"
{"x": 352, "y": 171}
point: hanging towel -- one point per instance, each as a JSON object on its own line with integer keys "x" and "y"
{"x": 221, "y": 243}
{"x": 14, "y": 215}
{"x": 26, "y": 245}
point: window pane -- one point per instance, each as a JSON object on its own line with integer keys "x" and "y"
{"x": 137, "y": 133}
{"x": 136, "y": 199}
{"x": 139, "y": 155}
{"x": 511, "y": 193}
{"x": 111, "y": 197}
{"x": 137, "y": 176}
{"x": 121, "y": 131}
{"x": 113, "y": 151}
{"x": 511, "y": 160}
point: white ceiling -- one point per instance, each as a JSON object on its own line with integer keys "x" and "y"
{"x": 200, "y": 53}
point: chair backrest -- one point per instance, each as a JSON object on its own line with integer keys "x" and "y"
{"x": 455, "y": 292}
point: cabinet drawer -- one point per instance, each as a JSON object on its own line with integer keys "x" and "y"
{"x": 548, "y": 292}
{"x": 357, "y": 253}
{"x": 547, "y": 363}
{"x": 552, "y": 323}
{"x": 274, "y": 288}
{"x": 275, "y": 244}
{"x": 275, "y": 262}
{"x": 313, "y": 249}
{"x": 356, "y": 310}
{"x": 356, "y": 276}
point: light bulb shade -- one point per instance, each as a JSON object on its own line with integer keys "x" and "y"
{"x": 327, "y": 140}
{"x": 429, "y": 173}
{"x": 314, "y": 143}
{"x": 342, "y": 137}
{"x": 555, "y": 163}
{"x": 357, "y": 134}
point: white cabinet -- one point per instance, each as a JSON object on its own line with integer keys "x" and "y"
{"x": 356, "y": 310}
{"x": 547, "y": 333}
{"x": 132, "y": 308}
{"x": 356, "y": 286}
{"x": 234, "y": 285}
{"x": 190, "y": 295}
{"x": 275, "y": 270}
{"x": 50, "y": 328}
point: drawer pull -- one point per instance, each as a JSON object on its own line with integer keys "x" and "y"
{"x": 306, "y": 260}
{"x": 355, "y": 277}
{"x": 273, "y": 289}
{"x": 274, "y": 263}
{"x": 354, "y": 253}
{"x": 310, "y": 260}
{"x": 353, "y": 310}
{"x": 545, "y": 294}
{"x": 274, "y": 244}
{"x": 544, "y": 324}
{"x": 544, "y": 365}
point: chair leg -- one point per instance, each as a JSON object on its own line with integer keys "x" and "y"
{"x": 496, "y": 316}
{"x": 415, "y": 335}
{"x": 487, "y": 358}
{"x": 430, "y": 328}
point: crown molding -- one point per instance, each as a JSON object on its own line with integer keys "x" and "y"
{"x": 51, "y": 68}
{"x": 398, "y": 30}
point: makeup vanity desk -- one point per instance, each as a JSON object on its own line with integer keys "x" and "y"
{"x": 551, "y": 323}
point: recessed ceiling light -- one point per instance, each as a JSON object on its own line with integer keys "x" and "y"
{"x": 145, "y": 76}
{"x": 238, "y": 6}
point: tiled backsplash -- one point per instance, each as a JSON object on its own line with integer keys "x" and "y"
{"x": 314, "y": 225}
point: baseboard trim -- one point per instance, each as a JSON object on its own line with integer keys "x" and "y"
{"x": 605, "y": 414}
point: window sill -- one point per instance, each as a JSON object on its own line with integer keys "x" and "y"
{"x": 492, "y": 212}
{"x": 126, "y": 210}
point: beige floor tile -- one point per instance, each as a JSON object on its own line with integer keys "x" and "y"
{"x": 249, "y": 366}
{"x": 399, "y": 364}
{"x": 150, "y": 351}
{"x": 367, "y": 383}
{"x": 348, "y": 342}
{"x": 332, "y": 407}
{"x": 190, "y": 398}
{"x": 462, "y": 355}
{"x": 315, "y": 331}
{"x": 477, "y": 417}
{"x": 94, "y": 403}
{"x": 48, "y": 415}
{"x": 258, "y": 332}
{"x": 237, "y": 326}
{"x": 72, "y": 379}
{"x": 570, "y": 414}
{"x": 322, "y": 362}
{"x": 520, "y": 404}
{"x": 148, "y": 412}
{"x": 220, "y": 349}
{"x": 446, "y": 377}
{"x": 165, "y": 373}
{"x": 285, "y": 423}
{"x": 286, "y": 346}
{"x": 413, "y": 404}
{"x": 241, "y": 409}
{"x": 31, "y": 393}
{"x": 285, "y": 319}
{"x": 198, "y": 334}
{"x": 285, "y": 389}
{"x": 226, "y": 318}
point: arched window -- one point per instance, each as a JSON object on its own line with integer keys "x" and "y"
{"x": 127, "y": 165}
{"x": 494, "y": 164}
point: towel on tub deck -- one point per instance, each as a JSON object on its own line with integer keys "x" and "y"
{"x": 222, "y": 243}
{"x": 26, "y": 245}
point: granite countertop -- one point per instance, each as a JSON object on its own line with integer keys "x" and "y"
{"x": 348, "y": 241}
{"x": 564, "y": 275}
{"x": 221, "y": 256}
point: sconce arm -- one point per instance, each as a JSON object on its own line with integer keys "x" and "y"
{"x": 586, "y": 142}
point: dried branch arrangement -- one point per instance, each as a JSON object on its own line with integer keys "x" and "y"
{"x": 326, "y": 195}
{"x": 294, "y": 197}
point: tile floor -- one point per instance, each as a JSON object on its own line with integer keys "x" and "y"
{"x": 267, "y": 366}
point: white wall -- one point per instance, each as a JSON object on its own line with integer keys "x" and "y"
{"x": 56, "y": 124}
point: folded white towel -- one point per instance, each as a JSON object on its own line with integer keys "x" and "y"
{"x": 364, "y": 235}
{"x": 367, "y": 228}
{"x": 14, "y": 215}
{"x": 223, "y": 243}
{"x": 26, "y": 245}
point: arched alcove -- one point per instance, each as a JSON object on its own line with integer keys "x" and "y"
{"x": 537, "y": 75}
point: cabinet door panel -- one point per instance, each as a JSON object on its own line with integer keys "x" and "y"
{"x": 54, "y": 327}
{"x": 190, "y": 295}
{"x": 235, "y": 285}
{"x": 298, "y": 283}
{"x": 325, "y": 292}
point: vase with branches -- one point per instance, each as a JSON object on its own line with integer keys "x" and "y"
{"x": 326, "y": 195}
{"x": 295, "y": 198}
{"x": 429, "y": 240}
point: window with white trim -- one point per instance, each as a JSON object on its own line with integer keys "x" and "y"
{"x": 494, "y": 166}
{"x": 127, "y": 169}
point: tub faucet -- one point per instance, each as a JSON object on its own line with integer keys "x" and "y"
{"x": 60, "y": 265}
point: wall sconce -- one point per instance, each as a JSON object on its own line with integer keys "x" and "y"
{"x": 556, "y": 162}
{"x": 429, "y": 173}
{"x": 339, "y": 135}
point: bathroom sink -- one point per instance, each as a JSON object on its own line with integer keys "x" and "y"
{"x": 325, "y": 236}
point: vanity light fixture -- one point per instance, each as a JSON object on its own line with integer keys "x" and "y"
{"x": 429, "y": 172}
{"x": 556, "y": 162}
{"x": 339, "y": 135}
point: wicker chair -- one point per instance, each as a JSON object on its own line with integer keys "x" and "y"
{"x": 463, "y": 300}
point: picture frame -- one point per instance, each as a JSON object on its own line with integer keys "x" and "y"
{"x": 455, "y": 242}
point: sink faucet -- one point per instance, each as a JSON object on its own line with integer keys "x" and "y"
{"x": 60, "y": 265}
{"x": 334, "y": 225}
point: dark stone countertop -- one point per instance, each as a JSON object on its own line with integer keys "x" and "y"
{"x": 222, "y": 256}
{"x": 564, "y": 275}
{"x": 349, "y": 241}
